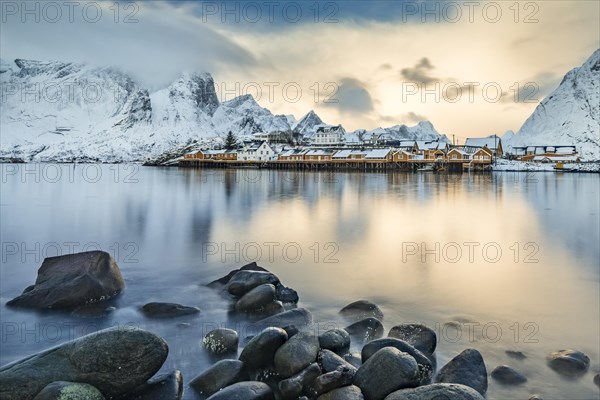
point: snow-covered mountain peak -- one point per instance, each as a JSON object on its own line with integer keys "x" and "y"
{"x": 570, "y": 115}
{"x": 308, "y": 124}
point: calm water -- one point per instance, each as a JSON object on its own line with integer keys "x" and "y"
{"x": 495, "y": 262}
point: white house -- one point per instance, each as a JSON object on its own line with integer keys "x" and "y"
{"x": 327, "y": 135}
{"x": 256, "y": 151}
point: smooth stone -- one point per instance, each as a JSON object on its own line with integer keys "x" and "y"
{"x": 329, "y": 381}
{"x": 366, "y": 329}
{"x": 336, "y": 340}
{"x": 419, "y": 336}
{"x": 221, "y": 341}
{"x": 386, "y": 371}
{"x": 437, "y": 391}
{"x": 115, "y": 361}
{"x": 260, "y": 350}
{"x": 343, "y": 393}
{"x": 270, "y": 309}
{"x": 517, "y": 355}
{"x": 353, "y": 359}
{"x": 62, "y": 390}
{"x": 298, "y": 317}
{"x": 508, "y": 375}
{"x": 361, "y": 309}
{"x": 302, "y": 382}
{"x": 467, "y": 368}
{"x": 286, "y": 295}
{"x": 568, "y": 362}
{"x": 296, "y": 354}
{"x": 329, "y": 361}
{"x": 245, "y": 391}
{"x": 225, "y": 279}
{"x": 535, "y": 397}
{"x": 220, "y": 375}
{"x": 256, "y": 298}
{"x": 597, "y": 379}
{"x": 162, "y": 387}
{"x": 73, "y": 280}
{"x": 426, "y": 368}
{"x": 244, "y": 281}
{"x": 167, "y": 310}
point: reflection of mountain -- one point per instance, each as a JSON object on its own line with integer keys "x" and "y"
{"x": 567, "y": 208}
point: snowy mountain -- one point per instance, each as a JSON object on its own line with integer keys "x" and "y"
{"x": 569, "y": 115}
{"x": 55, "y": 111}
{"x": 424, "y": 130}
{"x": 308, "y": 124}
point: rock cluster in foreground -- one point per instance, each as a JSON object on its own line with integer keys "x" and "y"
{"x": 284, "y": 360}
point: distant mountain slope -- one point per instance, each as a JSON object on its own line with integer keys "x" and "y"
{"x": 569, "y": 115}
{"x": 308, "y": 124}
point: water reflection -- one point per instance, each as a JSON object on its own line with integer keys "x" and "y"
{"x": 502, "y": 249}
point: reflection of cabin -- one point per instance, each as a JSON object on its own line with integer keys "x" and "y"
{"x": 493, "y": 142}
{"x": 529, "y": 153}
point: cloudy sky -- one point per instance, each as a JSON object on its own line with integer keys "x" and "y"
{"x": 472, "y": 68}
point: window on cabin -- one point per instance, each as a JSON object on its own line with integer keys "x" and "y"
{"x": 454, "y": 156}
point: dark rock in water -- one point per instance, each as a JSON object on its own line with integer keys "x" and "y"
{"x": 302, "y": 382}
{"x": 508, "y": 375}
{"x": 360, "y": 310}
{"x": 343, "y": 393}
{"x": 386, "y": 371}
{"x": 97, "y": 310}
{"x": 329, "y": 362}
{"x": 419, "y": 336}
{"x": 225, "y": 279}
{"x": 221, "y": 341}
{"x": 167, "y": 310}
{"x": 244, "y": 281}
{"x": 296, "y": 354}
{"x": 162, "y": 387}
{"x": 256, "y": 299}
{"x": 342, "y": 376}
{"x": 115, "y": 361}
{"x": 568, "y": 362}
{"x": 73, "y": 280}
{"x": 297, "y": 317}
{"x": 467, "y": 369}
{"x": 69, "y": 391}
{"x": 517, "y": 355}
{"x": 260, "y": 351}
{"x": 366, "y": 329}
{"x": 437, "y": 391}
{"x": 291, "y": 330}
{"x": 354, "y": 359}
{"x": 220, "y": 375}
{"x": 245, "y": 391}
{"x": 286, "y": 294}
{"x": 597, "y": 379}
{"x": 336, "y": 340}
{"x": 270, "y": 309}
{"x": 535, "y": 397}
{"x": 425, "y": 366}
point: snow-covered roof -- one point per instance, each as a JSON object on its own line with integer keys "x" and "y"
{"x": 491, "y": 142}
{"x": 464, "y": 153}
{"x": 319, "y": 152}
{"x": 565, "y": 150}
{"x": 556, "y": 158}
{"x": 342, "y": 154}
{"x": 378, "y": 153}
{"x": 407, "y": 143}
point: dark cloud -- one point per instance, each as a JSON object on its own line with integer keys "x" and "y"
{"x": 409, "y": 118}
{"x": 420, "y": 73}
{"x": 352, "y": 96}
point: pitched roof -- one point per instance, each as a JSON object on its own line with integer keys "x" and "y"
{"x": 378, "y": 153}
{"x": 491, "y": 142}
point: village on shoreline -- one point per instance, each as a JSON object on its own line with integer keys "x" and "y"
{"x": 329, "y": 149}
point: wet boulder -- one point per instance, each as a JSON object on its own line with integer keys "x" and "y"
{"x": 245, "y": 391}
{"x": 336, "y": 340}
{"x": 508, "y": 376}
{"x": 301, "y": 383}
{"x": 167, "y": 310}
{"x": 256, "y": 299}
{"x": 298, "y": 317}
{"x": 296, "y": 354}
{"x": 361, "y": 309}
{"x": 220, "y": 375}
{"x": 437, "y": 391}
{"x": 69, "y": 391}
{"x": 329, "y": 361}
{"x": 221, "y": 341}
{"x": 73, "y": 280}
{"x": 260, "y": 350}
{"x": 162, "y": 387}
{"x": 244, "y": 281}
{"x": 568, "y": 362}
{"x": 419, "y": 336}
{"x": 467, "y": 368}
{"x": 366, "y": 329}
{"x": 115, "y": 361}
{"x": 344, "y": 393}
